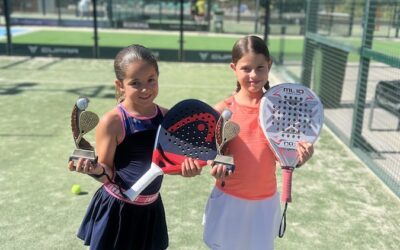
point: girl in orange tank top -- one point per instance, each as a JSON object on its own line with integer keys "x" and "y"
{"x": 244, "y": 213}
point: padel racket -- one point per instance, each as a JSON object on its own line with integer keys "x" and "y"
{"x": 290, "y": 113}
{"x": 187, "y": 130}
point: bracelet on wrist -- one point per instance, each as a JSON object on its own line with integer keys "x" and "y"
{"x": 99, "y": 175}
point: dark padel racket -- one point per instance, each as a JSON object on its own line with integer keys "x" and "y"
{"x": 290, "y": 113}
{"x": 188, "y": 130}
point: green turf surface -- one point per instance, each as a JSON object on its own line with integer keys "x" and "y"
{"x": 337, "y": 202}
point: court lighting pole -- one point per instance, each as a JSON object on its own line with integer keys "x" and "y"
{"x": 238, "y": 11}
{"x": 95, "y": 35}
{"x": 181, "y": 33}
{"x": 59, "y": 12}
{"x": 44, "y": 7}
{"x": 351, "y": 21}
{"x": 8, "y": 31}
{"x": 257, "y": 16}
{"x": 266, "y": 21}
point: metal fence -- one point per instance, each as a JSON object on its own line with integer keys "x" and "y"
{"x": 352, "y": 60}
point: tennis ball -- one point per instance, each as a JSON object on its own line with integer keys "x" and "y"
{"x": 82, "y": 103}
{"x": 76, "y": 189}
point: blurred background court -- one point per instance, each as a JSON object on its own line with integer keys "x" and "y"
{"x": 348, "y": 52}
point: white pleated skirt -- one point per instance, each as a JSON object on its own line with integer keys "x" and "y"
{"x": 231, "y": 223}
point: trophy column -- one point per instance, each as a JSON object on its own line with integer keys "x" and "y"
{"x": 82, "y": 121}
{"x": 224, "y": 132}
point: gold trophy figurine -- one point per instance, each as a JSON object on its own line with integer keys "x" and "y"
{"x": 225, "y": 131}
{"x": 82, "y": 121}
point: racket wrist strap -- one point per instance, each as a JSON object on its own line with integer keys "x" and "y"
{"x": 282, "y": 227}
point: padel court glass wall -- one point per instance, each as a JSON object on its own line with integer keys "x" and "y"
{"x": 352, "y": 60}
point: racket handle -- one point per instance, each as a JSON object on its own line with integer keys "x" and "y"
{"x": 287, "y": 185}
{"x": 143, "y": 181}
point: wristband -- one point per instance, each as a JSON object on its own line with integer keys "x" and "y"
{"x": 98, "y": 175}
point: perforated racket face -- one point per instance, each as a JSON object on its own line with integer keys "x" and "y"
{"x": 188, "y": 130}
{"x": 290, "y": 113}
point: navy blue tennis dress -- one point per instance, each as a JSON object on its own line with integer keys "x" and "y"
{"x": 113, "y": 221}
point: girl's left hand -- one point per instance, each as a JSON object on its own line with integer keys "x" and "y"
{"x": 305, "y": 151}
{"x": 190, "y": 168}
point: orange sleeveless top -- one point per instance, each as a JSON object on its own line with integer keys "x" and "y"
{"x": 254, "y": 177}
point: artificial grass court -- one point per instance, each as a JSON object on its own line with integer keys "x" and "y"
{"x": 337, "y": 202}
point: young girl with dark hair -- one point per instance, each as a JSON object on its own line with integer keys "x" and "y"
{"x": 124, "y": 144}
{"x": 244, "y": 213}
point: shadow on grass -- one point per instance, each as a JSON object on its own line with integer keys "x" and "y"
{"x": 100, "y": 91}
{"x": 16, "y": 88}
{"x": 83, "y": 193}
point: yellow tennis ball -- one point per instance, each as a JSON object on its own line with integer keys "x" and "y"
{"x": 76, "y": 189}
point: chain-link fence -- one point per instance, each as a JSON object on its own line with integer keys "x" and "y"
{"x": 352, "y": 60}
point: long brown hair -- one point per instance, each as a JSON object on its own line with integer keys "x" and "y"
{"x": 246, "y": 45}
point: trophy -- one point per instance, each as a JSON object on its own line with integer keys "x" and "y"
{"x": 224, "y": 132}
{"x": 82, "y": 121}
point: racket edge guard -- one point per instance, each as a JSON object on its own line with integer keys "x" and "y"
{"x": 143, "y": 181}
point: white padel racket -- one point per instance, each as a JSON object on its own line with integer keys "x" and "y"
{"x": 289, "y": 113}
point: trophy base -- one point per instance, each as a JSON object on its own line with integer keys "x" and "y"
{"x": 226, "y": 160}
{"x": 82, "y": 153}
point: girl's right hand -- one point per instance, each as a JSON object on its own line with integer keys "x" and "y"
{"x": 190, "y": 168}
{"x": 84, "y": 166}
